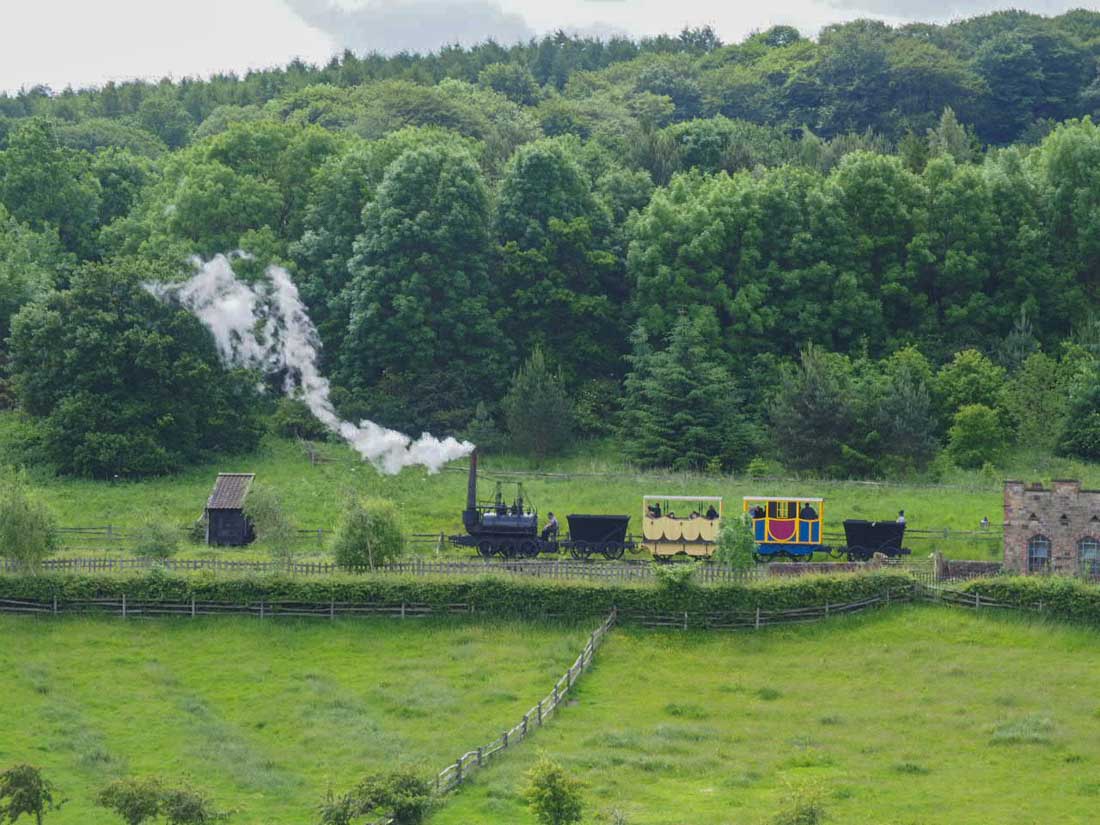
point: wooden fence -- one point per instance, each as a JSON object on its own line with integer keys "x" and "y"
{"x": 623, "y": 572}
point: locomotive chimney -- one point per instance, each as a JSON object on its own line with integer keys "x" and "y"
{"x": 471, "y": 484}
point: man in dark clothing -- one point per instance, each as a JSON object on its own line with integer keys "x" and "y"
{"x": 550, "y": 531}
{"x": 808, "y": 512}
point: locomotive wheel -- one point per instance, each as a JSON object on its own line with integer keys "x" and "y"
{"x": 485, "y": 548}
{"x": 507, "y": 549}
{"x": 529, "y": 549}
{"x": 613, "y": 551}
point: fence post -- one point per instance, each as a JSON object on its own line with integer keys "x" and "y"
{"x": 887, "y": 596}
{"x": 458, "y": 771}
{"x": 402, "y": 610}
{"x": 55, "y": 604}
{"x": 540, "y": 711}
{"x": 685, "y": 620}
{"x": 504, "y": 738}
{"x": 332, "y": 608}
{"x": 261, "y": 608}
{"x": 192, "y": 607}
{"x": 977, "y": 600}
{"x": 479, "y": 757}
{"x": 826, "y": 610}
{"x": 124, "y": 605}
{"x": 757, "y": 618}
{"x": 524, "y": 726}
{"x": 554, "y": 693}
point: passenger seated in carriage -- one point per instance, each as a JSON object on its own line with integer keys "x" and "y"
{"x": 654, "y": 510}
{"x": 808, "y": 513}
{"x": 712, "y": 514}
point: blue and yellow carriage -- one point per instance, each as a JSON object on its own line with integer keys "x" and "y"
{"x": 786, "y": 527}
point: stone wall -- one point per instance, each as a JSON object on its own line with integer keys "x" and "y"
{"x": 1064, "y": 515}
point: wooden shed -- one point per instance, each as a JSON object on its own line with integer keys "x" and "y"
{"x": 226, "y": 523}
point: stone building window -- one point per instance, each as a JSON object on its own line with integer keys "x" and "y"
{"x": 1088, "y": 551}
{"x": 1038, "y": 554}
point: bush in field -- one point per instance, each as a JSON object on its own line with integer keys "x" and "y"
{"x": 976, "y": 436}
{"x": 553, "y": 795}
{"x": 23, "y": 790}
{"x": 186, "y": 806}
{"x": 803, "y": 806}
{"x": 156, "y": 538}
{"x": 264, "y": 509}
{"x": 134, "y": 800}
{"x": 403, "y": 794}
{"x": 369, "y": 535}
{"x": 736, "y": 543}
{"x": 28, "y": 528}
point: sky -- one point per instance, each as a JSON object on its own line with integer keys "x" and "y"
{"x": 80, "y": 43}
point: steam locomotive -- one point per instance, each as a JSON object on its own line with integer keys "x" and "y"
{"x": 510, "y": 530}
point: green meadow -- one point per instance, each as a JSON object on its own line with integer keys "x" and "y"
{"x": 911, "y": 716}
{"x": 265, "y": 716}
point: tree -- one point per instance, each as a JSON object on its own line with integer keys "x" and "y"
{"x": 484, "y": 432}
{"x": 1036, "y": 398}
{"x": 969, "y": 378}
{"x": 264, "y": 510}
{"x": 564, "y": 284}
{"x": 538, "y": 409}
{"x": 24, "y": 790}
{"x": 419, "y": 294}
{"x": 29, "y": 262}
{"x": 976, "y": 436}
{"x": 134, "y": 800}
{"x": 1080, "y": 431}
{"x": 682, "y": 408}
{"x": 554, "y": 796}
{"x": 813, "y": 420}
{"x": 164, "y": 116}
{"x": 903, "y": 414}
{"x": 369, "y": 535}
{"x": 48, "y": 186}
{"x": 950, "y": 139}
{"x": 513, "y": 80}
{"x": 156, "y": 537}
{"x": 28, "y": 528}
{"x": 124, "y": 383}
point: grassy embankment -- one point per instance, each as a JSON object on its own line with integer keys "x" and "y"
{"x": 265, "y": 716}
{"x": 913, "y": 715}
{"x": 594, "y": 479}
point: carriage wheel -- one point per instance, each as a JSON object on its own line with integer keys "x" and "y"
{"x": 580, "y": 550}
{"x": 611, "y": 552}
{"x": 485, "y": 548}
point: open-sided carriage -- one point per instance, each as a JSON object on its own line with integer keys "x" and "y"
{"x": 865, "y": 538}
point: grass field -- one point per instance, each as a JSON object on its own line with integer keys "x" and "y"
{"x": 913, "y": 716}
{"x": 263, "y": 715}
{"x": 592, "y": 480}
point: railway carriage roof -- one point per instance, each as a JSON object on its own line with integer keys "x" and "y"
{"x": 782, "y": 498}
{"x": 681, "y": 498}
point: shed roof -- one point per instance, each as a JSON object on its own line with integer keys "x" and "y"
{"x": 229, "y": 491}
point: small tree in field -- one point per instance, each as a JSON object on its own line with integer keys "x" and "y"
{"x": 537, "y": 409}
{"x": 403, "y": 794}
{"x": 264, "y": 509}
{"x": 554, "y": 796}
{"x": 156, "y": 538}
{"x": 23, "y": 790}
{"x": 976, "y": 436}
{"x": 134, "y": 800}
{"x": 186, "y": 806}
{"x": 369, "y": 535}
{"x": 736, "y": 543}
{"x": 28, "y": 529}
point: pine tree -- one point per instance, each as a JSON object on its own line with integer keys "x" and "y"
{"x": 538, "y": 410}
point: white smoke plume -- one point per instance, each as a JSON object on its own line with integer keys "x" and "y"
{"x": 266, "y": 327}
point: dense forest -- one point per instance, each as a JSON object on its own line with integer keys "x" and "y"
{"x": 857, "y": 254}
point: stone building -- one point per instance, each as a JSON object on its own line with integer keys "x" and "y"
{"x": 1052, "y": 531}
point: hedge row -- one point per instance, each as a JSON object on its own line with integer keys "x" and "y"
{"x": 504, "y": 596}
{"x": 1056, "y": 596}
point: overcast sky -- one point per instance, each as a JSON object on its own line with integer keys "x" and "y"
{"x": 88, "y": 42}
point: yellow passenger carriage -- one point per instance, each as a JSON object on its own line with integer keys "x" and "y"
{"x": 675, "y": 525}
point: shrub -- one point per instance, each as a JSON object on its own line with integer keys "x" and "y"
{"x": 28, "y": 528}
{"x": 736, "y": 543}
{"x": 554, "y": 797}
{"x": 803, "y": 806}
{"x": 186, "y": 806}
{"x": 23, "y": 790}
{"x": 403, "y": 794}
{"x": 292, "y": 419}
{"x": 134, "y": 800}
{"x": 676, "y": 576}
{"x": 265, "y": 512}
{"x": 976, "y": 436}
{"x": 369, "y": 536}
{"x": 155, "y": 538}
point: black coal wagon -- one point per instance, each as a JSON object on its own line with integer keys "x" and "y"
{"x": 865, "y": 538}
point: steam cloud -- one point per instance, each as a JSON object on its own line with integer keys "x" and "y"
{"x": 267, "y": 328}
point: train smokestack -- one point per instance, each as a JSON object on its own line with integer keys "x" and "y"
{"x": 471, "y": 483}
